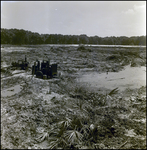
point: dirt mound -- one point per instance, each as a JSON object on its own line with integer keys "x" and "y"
{"x": 136, "y": 62}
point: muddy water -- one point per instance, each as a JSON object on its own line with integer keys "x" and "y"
{"x": 130, "y": 77}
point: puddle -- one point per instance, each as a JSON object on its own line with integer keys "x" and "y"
{"x": 11, "y": 91}
{"x": 130, "y": 77}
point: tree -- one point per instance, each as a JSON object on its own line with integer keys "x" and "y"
{"x": 16, "y": 36}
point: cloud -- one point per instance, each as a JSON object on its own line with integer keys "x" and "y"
{"x": 72, "y": 17}
{"x": 129, "y": 11}
{"x": 135, "y": 9}
{"x": 141, "y": 8}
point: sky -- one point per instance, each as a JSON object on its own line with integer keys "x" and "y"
{"x": 93, "y": 18}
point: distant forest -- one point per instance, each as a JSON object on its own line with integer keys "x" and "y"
{"x": 20, "y": 37}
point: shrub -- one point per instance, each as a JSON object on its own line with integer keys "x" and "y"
{"x": 81, "y": 47}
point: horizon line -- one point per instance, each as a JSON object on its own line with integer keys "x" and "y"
{"x": 73, "y": 34}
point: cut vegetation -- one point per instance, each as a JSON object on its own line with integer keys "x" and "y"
{"x": 64, "y": 113}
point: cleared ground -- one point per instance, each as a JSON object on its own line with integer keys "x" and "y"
{"x": 64, "y": 112}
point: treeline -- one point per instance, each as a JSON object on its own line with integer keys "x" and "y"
{"x": 20, "y": 37}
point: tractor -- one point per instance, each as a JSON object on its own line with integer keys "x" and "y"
{"x": 21, "y": 64}
{"x": 45, "y": 70}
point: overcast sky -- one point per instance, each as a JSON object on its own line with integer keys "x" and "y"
{"x": 101, "y": 18}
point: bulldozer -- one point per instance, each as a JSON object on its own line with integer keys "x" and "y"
{"x": 23, "y": 65}
{"x": 45, "y": 70}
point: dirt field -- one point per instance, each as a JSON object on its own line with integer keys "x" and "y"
{"x": 67, "y": 111}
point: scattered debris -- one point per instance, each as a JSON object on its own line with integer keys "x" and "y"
{"x": 65, "y": 114}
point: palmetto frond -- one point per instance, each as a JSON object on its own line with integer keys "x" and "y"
{"x": 77, "y": 123}
{"x": 114, "y": 91}
{"x": 54, "y": 143}
{"x": 66, "y": 123}
{"x": 46, "y": 134}
{"x": 43, "y": 136}
{"x": 73, "y": 136}
{"x": 82, "y": 109}
{"x": 108, "y": 97}
{"x": 85, "y": 130}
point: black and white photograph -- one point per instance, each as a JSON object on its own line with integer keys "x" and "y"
{"x": 73, "y": 75}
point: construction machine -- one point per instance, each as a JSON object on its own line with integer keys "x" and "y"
{"x": 45, "y": 70}
{"x": 21, "y": 64}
